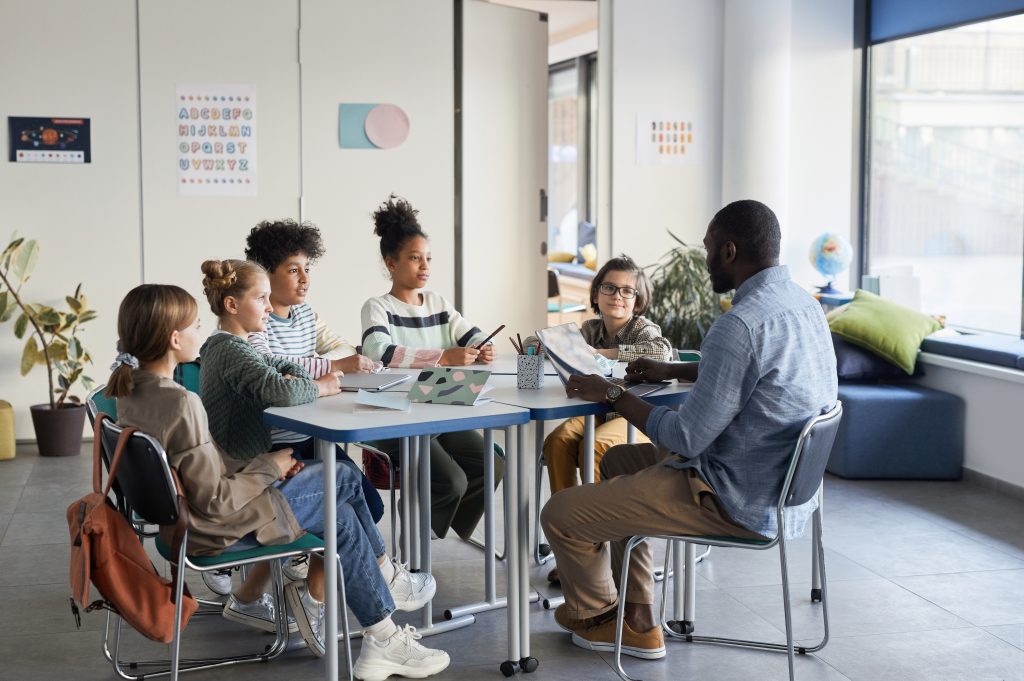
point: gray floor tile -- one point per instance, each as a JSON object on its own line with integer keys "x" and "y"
{"x": 1011, "y": 633}
{"x": 981, "y": 598}
{"x": 50, "y": 497}
{"x": 5, "y": 520}
{"x": 34, "y": 564}
{"x": 45, "y": 609}
{"x": 855, "y": 608}
{"x": 50, "y": 655}
{"x": 921, "y": 554}
{"x": 15, "y": 472}
{"x": 36, "y": 528}
{"x": 963, "y": 655}
{"x": 740, "y": 567}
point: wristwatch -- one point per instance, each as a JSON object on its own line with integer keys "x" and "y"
{"x": 613, "y": 393}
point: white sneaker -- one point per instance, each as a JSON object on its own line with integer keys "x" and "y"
{"x": 400, "y": 654}
{"x": 410, "y": 590}
{"x": 309, "y": 615}
{"x": 218, "y": 581}
{"x": 297, "y": 568}
{"x": 258, "y": 614}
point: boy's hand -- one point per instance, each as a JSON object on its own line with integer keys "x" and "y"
{"x": 355, "y": 364}
{"x": 458, "y": 357}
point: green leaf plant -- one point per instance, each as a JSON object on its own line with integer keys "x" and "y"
{"x": 52, "y": 334}
{"x": 683, "y": 303}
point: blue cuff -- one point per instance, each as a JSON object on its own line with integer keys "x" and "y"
{"x": 654, "y": 420}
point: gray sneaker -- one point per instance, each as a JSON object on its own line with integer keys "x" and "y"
{"x": 258, "y": 614}
{"x": 309, "y": 615}
{"x": 401, "y": 654}
{"x": 297, "y": 568}
{"x": 410, "y": 590}
{"x": 218, "y": 581}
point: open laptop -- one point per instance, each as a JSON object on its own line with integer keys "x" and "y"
{"x": 372, "y": 382}
{"x": 570, "y": 354}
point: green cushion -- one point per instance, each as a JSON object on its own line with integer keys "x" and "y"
{"x": 891, "y": 331}
{"x": 306, "y": 542}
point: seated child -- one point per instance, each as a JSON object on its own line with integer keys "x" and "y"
{"x": 269, "y": 497}
{"x": 294, "y": 332}
{"x": 412, "y": 327}
{"x": 619, "y": 294}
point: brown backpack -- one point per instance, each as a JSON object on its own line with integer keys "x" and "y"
{"x": 106, "y": 551}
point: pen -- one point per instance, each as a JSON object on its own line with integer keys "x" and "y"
{"x": 493, "y": 334}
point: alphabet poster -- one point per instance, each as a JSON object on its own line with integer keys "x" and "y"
{"x": 216, "y": 139}
{"x": 667, "y": 139}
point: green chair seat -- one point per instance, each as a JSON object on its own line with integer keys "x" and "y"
{"x": 306, "y": 542}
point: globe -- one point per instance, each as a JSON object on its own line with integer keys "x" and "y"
{"x": 830, "y": 254}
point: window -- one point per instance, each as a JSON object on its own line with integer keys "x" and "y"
{"x": 571, "y": 137}
{"x": 946, "y": 170}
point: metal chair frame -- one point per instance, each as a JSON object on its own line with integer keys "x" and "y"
{"x": 828, "y": 422}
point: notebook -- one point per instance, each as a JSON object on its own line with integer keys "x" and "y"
{"x": 450, "y": 385}
{"x": 372, "y": 382}
{"x": 570, "y": 355}
{"x": 375, "y": 401}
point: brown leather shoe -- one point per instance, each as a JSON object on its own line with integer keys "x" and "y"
{"x": 571, "y": 624}
{"x": 648, "y": 645}
{"x": 553, "y": 576}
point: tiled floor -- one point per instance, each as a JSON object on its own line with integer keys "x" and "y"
{"x": 926, "y": 582}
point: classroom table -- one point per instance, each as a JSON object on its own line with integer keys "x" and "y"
{"x": 334, "y": 419}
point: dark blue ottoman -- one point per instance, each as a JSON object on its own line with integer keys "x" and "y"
{"x": 898, "y": 431}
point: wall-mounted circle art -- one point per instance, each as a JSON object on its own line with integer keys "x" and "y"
{"x": 371, "y": 126}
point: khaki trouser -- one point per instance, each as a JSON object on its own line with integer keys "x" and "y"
{"x": 588, "y": 526}
{"x": 563, "y": 448}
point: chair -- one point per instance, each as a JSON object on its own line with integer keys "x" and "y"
{"x": 150, "y": 495}
{"x": 802, "y": 482}
{"x": 555, "y": 304}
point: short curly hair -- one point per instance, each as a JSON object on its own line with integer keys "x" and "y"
{"x": 272, "y": 241}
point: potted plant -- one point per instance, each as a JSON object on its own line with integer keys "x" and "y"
{"x": 683, "y": 303}
{"x": 52, "y": 342}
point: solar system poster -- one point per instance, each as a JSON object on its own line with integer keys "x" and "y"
{"x": 48, "y": 140}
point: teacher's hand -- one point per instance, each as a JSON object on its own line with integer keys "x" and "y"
{"x": 591, "y": 388}
{"x": 648, "y": 370}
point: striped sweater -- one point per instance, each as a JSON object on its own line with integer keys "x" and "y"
{"x": 403, "y": 335}
{"x": 304, "y": 339}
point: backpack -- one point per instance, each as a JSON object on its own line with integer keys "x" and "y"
{"x": 106, "y": 551}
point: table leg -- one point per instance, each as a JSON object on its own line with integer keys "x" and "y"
{"x": 525, "y": 468}
{"x": 630, "y": 434}
{"x": 325, "y": 454}
{"x": 588, "y": 449}
{"x": 406, "y": 473}
{"x": 424, "y": 519}
{"x": 541, "y": 550}
{"x": 413, "y": 490}
{"x": 508, "y": 667}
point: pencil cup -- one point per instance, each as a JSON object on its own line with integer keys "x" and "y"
{"x": 530, "y": 372}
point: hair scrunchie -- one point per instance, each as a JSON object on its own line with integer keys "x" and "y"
{"x": 126, "y": 359}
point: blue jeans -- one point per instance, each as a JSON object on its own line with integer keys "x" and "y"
{"x": 304, "y": 451}
{"x": 359, "y": 541}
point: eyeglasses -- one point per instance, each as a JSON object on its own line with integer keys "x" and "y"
{"x": 611, "y": 289}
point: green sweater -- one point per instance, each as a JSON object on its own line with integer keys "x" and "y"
{"x": 237, "y": 383}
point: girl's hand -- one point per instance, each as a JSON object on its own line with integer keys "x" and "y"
{"x": 285, "y": 462}
{"x": 293, "y": 471}
{"x": 329, "y": 384}
{"x": 486, "y": 355}
{"x": 354, "y": 364}
{"x": 458, "y": 357}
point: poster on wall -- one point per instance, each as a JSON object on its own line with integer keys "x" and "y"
{"x": 667, "y": 139}
{"x": 48, "y": 140}
{"x": 216, "y": 140}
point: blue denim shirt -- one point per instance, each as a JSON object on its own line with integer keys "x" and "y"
{"x": 767, "y": 366}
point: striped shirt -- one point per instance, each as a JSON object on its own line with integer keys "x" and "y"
{"x": 403, "y": 335}
{"x": 304, "y": 339}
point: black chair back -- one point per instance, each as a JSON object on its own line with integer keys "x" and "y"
{"x": 553, "y": 290}
{"x": 811, "y": 455}
{"x": 144, "y": 476}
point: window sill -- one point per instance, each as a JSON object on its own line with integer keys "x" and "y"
{"x": 972, "y": 367}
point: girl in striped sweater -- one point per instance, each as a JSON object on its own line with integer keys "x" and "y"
{"x": 412, "y": 327}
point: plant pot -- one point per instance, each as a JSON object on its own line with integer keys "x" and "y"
{"x": 58, "y": 431}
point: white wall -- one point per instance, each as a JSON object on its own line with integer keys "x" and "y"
{"x": 85, "y": 217}
{"x": 666, "y": 57}
{"x": 347, "y": 56}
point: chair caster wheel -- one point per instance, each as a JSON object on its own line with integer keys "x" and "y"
{"x": 681, "y": 626}
{"x": 546, "y": 604}
{"x": 815, "y": 595}
{"x": 528, "y": 664}
{"x": 544, "y": 549}
{"x": 448, "y": 614}
{"x": 508, "y": 667}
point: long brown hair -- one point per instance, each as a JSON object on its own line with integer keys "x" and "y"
{"x": 223, "y": 278}
{"x": 147, "y": 317}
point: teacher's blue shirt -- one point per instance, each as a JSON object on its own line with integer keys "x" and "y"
{"x": 767, "y": 366}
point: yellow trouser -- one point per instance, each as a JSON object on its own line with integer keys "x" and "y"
{"x": 563, "y": 448}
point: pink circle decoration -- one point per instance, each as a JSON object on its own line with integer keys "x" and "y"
{"x": 386, "y": 126}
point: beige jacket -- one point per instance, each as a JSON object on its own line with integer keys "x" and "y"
{"x": 227, "y": 498}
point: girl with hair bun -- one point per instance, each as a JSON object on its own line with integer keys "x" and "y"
{"x": 411, "y": 326}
